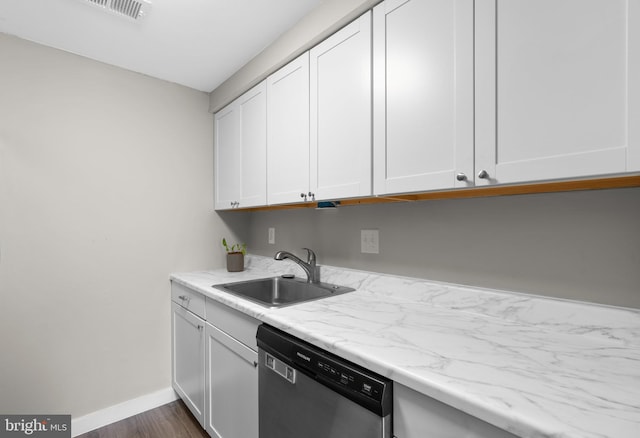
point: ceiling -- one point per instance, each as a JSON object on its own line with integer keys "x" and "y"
{"x": 196, "y": 43}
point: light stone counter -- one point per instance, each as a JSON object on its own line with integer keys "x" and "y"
{"x": 534, "y": 366}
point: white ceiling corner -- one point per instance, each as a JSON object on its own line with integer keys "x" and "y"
{"x": 195, "y": 43}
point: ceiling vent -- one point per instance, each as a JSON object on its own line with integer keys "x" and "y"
{"x": 134, "y": 9}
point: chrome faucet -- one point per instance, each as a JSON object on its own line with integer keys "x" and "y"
{"x": 313, "y": 271}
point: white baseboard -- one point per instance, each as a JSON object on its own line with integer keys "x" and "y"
{"x": 121, "y": 411}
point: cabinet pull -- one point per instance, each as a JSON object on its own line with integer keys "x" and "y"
{"x": 302, "y": 195}
{"x": 183, "y": 297}
{"x": 461, "y": 177}
{"x": 191, "y": 319}
{"x": 483, "y": 174}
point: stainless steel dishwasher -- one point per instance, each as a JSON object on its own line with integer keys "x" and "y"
{"x": 307, "y": 392}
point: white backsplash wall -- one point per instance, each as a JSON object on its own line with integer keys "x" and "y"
{"x": 576, "y": 245}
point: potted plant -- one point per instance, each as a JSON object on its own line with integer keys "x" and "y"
{"x": 235, "y": 256}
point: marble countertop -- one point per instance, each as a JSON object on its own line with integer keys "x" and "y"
{"x": 534, "y": 366}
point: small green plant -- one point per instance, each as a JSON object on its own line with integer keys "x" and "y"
{"x": 236, "y": 247}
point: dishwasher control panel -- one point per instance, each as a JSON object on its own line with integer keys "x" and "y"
{"x": 292, "y": 358}
{"x": 339, "y": 373}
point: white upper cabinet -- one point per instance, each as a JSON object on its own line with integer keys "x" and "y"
{"x": 423, "y": 95}
{"x": 340, "y": 111}
{"x": 227, "y": 157}
{"x": 558, "y": 89}
{"x": 288, "y": 132}
{"x": 240, "y": 151}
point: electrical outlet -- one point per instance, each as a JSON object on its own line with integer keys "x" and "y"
{"x": 272, "y": 236}
{"x": 369, "y": 241}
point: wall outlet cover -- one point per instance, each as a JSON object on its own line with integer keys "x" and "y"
{"x": 369, "y": 241}
{"x": 272, "y": 236}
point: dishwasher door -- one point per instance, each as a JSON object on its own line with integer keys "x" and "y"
{"x": 296, "y": 402}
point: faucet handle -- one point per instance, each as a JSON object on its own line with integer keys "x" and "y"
{"x": 311, "y": 256}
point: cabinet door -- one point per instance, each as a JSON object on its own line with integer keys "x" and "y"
{"x": 253, "y": 146}
{"x": 232, "y": 387}
{"x": 187, "y": 357}
{"x": 227, "y": 164}
{"x": 418, "y": 416}
{"x": 423, "y": 95}
{"x": 288, "y": 132}
{"x": 558, "y": 88}
{"x": 340, "y": 108}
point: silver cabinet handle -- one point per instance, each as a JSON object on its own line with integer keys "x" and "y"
{"x": 200, "y": 326}
{"x": 302, "y": 195}
{"x": 483, "y": 174}
{"x": 183, "y": 297}
{"x": 312, "y": 196}
{"x": 461, "y": 177}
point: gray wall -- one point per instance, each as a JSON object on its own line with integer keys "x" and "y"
{"x": 577, "y": 245}
{"x": 106, "y": 188}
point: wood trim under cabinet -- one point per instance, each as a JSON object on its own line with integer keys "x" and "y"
{"x": 478, "y": 192}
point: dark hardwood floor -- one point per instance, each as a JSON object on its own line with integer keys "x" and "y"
{"x": 172, "y": 420}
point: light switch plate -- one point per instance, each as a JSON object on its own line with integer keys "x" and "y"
{"x": 369, "y": 241}
{"x": 272, "y": 236}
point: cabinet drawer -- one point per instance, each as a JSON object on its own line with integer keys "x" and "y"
{"x": 234, "y": 323}
{"x": 188, "y": 298}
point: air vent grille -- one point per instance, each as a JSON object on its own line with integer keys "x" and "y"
{"x": 134, "y": 9}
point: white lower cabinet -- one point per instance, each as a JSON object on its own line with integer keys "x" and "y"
{"x": 232, "y": 387}
{"x": 231, "y": 373}
{"x": 187, "y": 353}
{"x": 214, "y": 357}
{"x": 418, "y": 416}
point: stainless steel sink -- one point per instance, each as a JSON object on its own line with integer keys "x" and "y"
{"x": 280, "y": 291}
